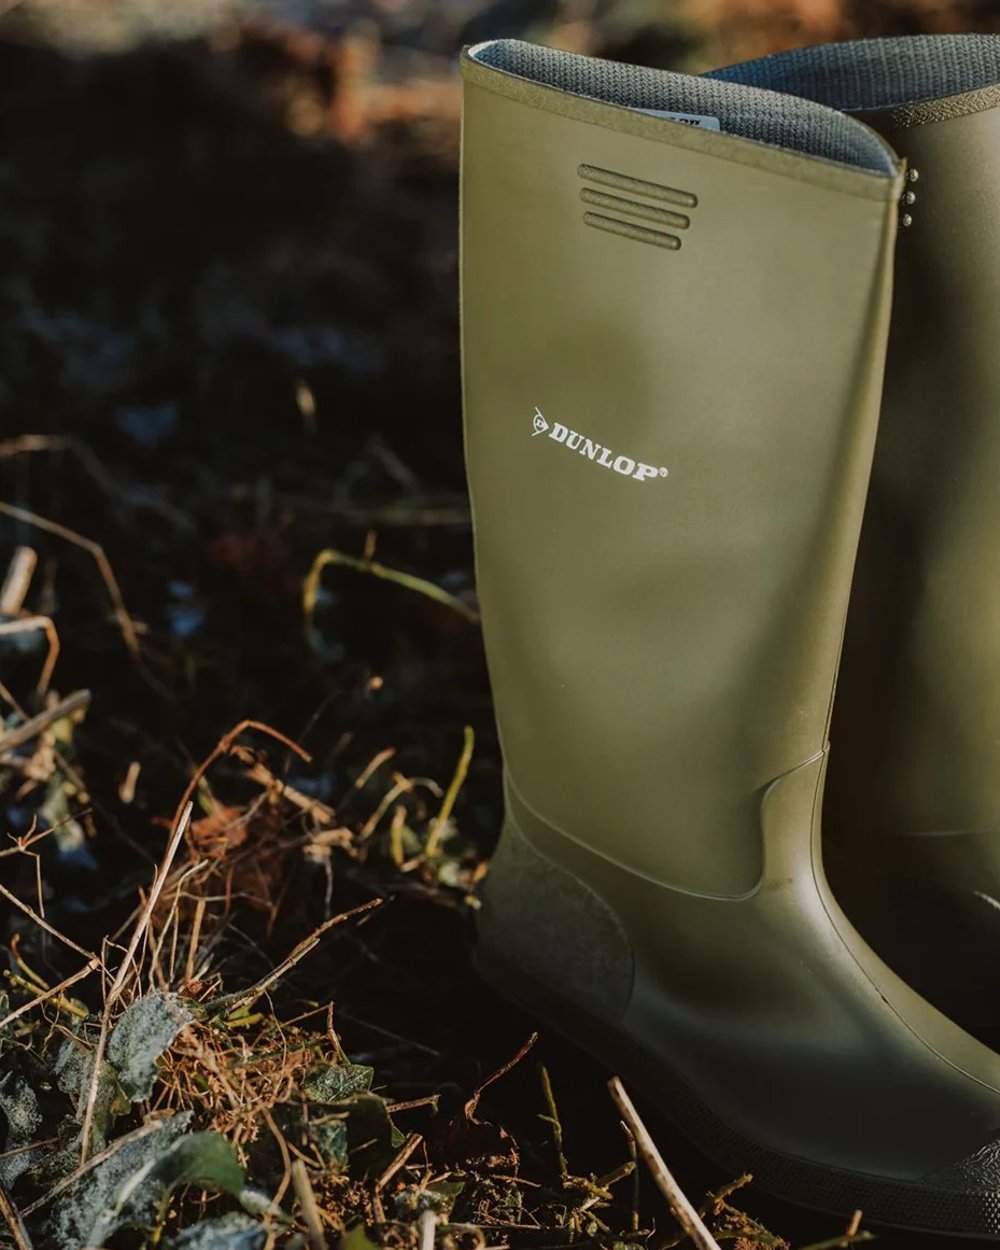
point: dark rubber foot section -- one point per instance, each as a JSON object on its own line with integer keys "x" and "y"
{"x": 914, "y": 1207}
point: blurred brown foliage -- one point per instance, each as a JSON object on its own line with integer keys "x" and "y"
{"x": 739, "y": 29}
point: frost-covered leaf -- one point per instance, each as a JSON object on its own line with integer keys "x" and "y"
{"x": 337, "y": 1082}
{"x": 128, "y": 1072}
{"x": 255, "y": 1201}
{"x": 19, "y": 1109}
{"x": 73, "y": 1066}
{"x": 132, "y": 1185}
{"x": 235, "y": 1231}
{"x": 144, "y": 1032}
{"x": 73, "y": 1070}
{"x": 89, "y": 1210}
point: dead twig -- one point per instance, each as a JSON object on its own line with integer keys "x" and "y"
{"x": 243, "y": 1000}
{"x": 431, "y": 1100}
{"x": 79, "y": 700}
{"x": 23, "y": 842}
{"x": 123, "y": 500}
{"x": 96, "y": 551}
{"x": 316, "y": 807}
{"x": 126, "y": 791}
{"x": 25, "y": 625}
{"x": 65, "y": 767}
{"x": 124, "y": 971}
{"x": 20, "y": 571}
{"x": 14, "y": 1222}
{"x": 683, "y": 1211}
{"x": 226, "y": 746}
{"x": 373, "y": 765}
{"x": 853, "y": 1235}
{"x": 44, "y": 924}
{"x": 472, "y": 1105}
{"x": 401, "y": 785}
{"x": 310, "y": 588}
{"x": 428, "y": 1227}
{"x": 286, "y": 1160}
{"x": 309, "y": 1207}
{"x": 54, "y": 992}
{"x": 407, "y": 1149}
{"x": 446, "y": 510}
{"x": 600, "y": 1189}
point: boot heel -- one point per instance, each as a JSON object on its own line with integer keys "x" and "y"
{"x": 540, "y": 919}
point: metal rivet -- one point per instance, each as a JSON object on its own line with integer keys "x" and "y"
{"x": 910, "y": 197}
{"x": 912, "y": 175}
{"x": 907, "y": 220}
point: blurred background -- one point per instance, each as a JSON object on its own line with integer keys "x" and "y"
{"x": 231, "y": 487}
{"x": 414, "y": 40}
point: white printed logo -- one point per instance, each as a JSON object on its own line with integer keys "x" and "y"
{"x": 600, "y": 454}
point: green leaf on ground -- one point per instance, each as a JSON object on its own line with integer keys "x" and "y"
{"x": 356, "y": 1238}
{"x": 204, "y": 1159}
{"x": 439, "y": 1198}
{"x": 338, "y": 1082}
{"x": 329, "y": 1136}
{"x": 372, "y": 1138}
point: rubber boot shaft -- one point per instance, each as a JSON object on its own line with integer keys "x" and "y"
{"x": 913, "y": 803}
{"x": 673, "y": 348}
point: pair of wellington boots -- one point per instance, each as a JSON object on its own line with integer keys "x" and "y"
{"x": 689, "y": 305}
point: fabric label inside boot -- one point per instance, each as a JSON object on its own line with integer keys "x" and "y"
{"x": 689, "y": 119}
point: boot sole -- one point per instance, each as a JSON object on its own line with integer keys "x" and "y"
{"x": 831, "y": 1191}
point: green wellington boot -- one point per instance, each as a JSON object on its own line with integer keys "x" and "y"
{"x": 675, "y": 303}
{"x": 913, "y": 800}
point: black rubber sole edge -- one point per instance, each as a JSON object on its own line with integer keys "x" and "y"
{"x": 830, "y": 1191}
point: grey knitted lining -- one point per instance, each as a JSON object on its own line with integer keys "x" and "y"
{"x": 767, "y": 116}
{"x": 867, "y": 74}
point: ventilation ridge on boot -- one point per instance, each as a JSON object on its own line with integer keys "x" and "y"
{"x": 638, "y": 186}
{"x": 632, "y": 208}
{"x": 631, "y": 231}
{"x": 616, "y": 207}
